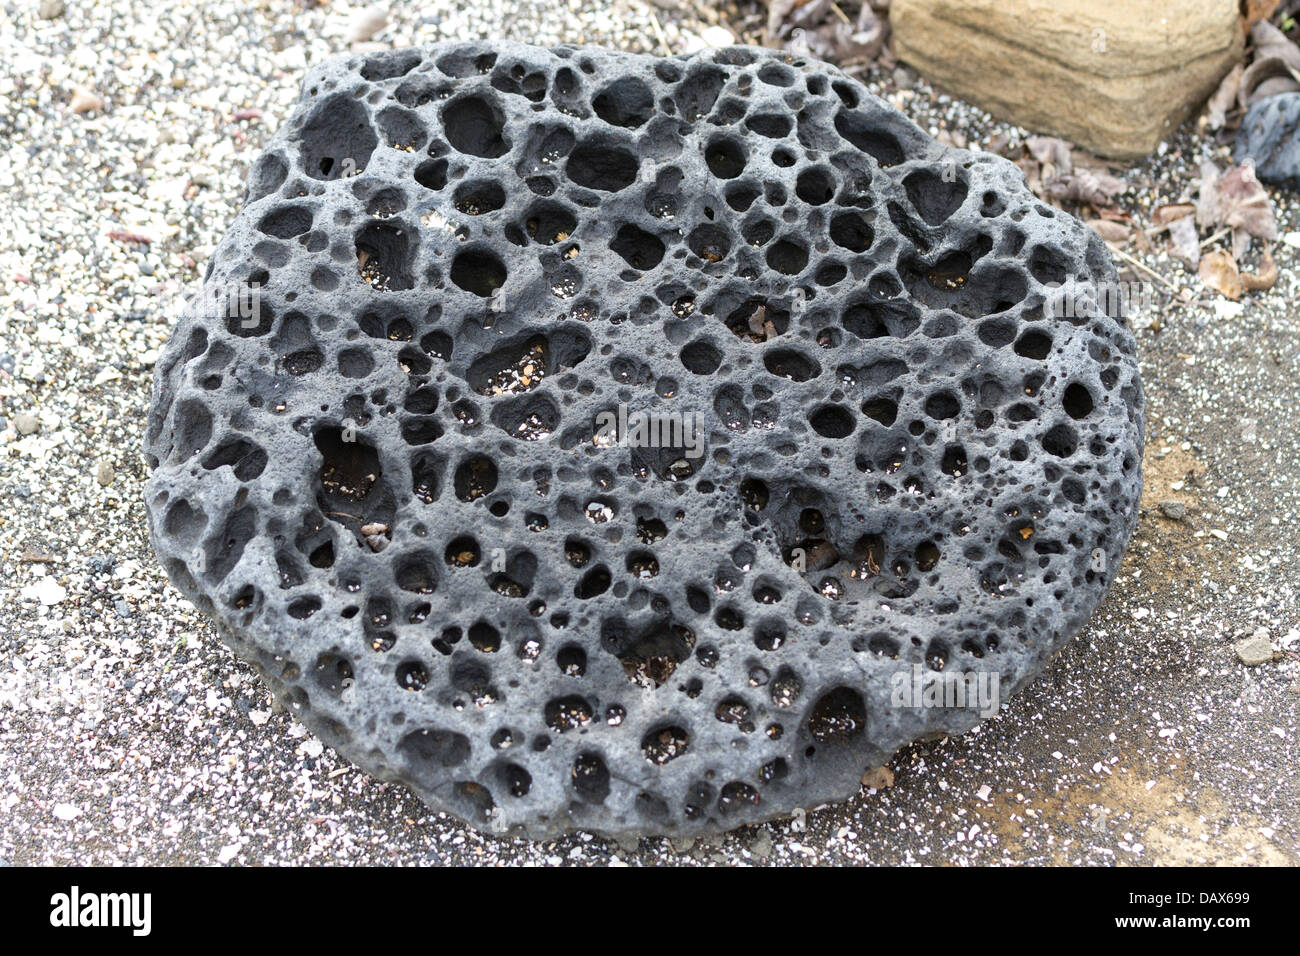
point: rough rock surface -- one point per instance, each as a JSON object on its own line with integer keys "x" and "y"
{"x": 1115, "y": 78}
{"x": 387, "y": 480}
{"x": 1270, "y": 135}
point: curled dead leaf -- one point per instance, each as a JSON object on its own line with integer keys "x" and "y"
{"x": 1275, "y": 68}
{"x": 1110, "y": 230}
{"x": 1085, "y": 186}
{"x": 1185, "y": 241}
{"x": 822, "y": 29}
{"x": 779, "y": 12}
{"x": 1050, "y": 152}
{"x": 1253, "y": 11}
{"x": 998, "y": 144}
{"x": 1224, "y": 99}
{"x": 1235, "y": 199}
{"x": 1265, "y": 277}
{"x": 1218, "y": 270}
{"x": 1171, "y": 212}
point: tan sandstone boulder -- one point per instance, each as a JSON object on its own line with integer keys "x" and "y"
{"x": 1113, "y": 77}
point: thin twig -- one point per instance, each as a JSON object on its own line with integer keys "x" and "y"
{"x": 1151, "y": 272}
{"x": 1217, "y": 236}
{"x": 659, "y": 32}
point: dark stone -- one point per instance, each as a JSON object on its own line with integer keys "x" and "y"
{"x": 1270, "y": 135}
{"x": 388, "y": 483}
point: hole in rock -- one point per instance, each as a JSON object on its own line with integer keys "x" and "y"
{"x": 626, "y": 102}
{"x": 475, "y": 125}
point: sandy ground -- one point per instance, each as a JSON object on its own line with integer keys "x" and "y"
{"x": 128, "y": 734}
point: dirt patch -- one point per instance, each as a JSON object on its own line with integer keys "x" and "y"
{"x": 1152, "y": 816}
{"x": 1170, "y": 473}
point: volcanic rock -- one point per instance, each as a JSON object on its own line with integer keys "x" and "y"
{"x": 1270, "y": 135}
{"x": 592, "y": 440}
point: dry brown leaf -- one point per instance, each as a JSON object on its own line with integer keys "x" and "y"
{"x": 1265, "y": 78}
{"x": 1050, "y": 152}
{"x": 1265, "y": 277}
{"x": 1185, "y": 241}
{"x": 1207, "y": 195}
{"x": 1085, "y": 186}
{"x": 1110, "y": 230}
{"x": 1276, "y": 65}
{"x": 1224, "y": 99}
{"x": 1236, "y": 200}
{"x": 779, "y": 12}
{"x": 998, "y": 144}
{"x": 1267, "y": 40}
{"x": 1171, "y": 212}
{"x": 1240, "y": 243}
{"x": 1253, "y": 11}
{"x": 1082, "y": 159}
{"x": 1065, "y": 174}
{"x": 1140, "y": 241}
{"x": 1244, "y": 203}
{"x": 1218, "y": 270}
{"x": 954, "y": 138}
{"x": 1033, "y": 176}
{"x": 819, "y": 28}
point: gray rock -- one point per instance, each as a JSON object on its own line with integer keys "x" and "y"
{"x": 27, "y": 424}
{"x": 466, "y": 255}
{"x": 1173, "y": 509}
{"x": 50, "y": 9}
{"x": 1255, "y": 649}
{"x": 1270, "y": 135}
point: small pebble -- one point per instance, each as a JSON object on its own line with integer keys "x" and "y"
{"x": 84, "y": 100}
{"x": 1173, "y": 509}
{"x": 50, "y": 9}
{"x": 1255, "y": 649}
{"x": 718, "y": 37}
{"x": 878, "y": 778}
{"x": 366, "y": 23}
{"x": 45, "y": 590}
{"x": 104, "y": 473}
{"x": 27, "y": 424}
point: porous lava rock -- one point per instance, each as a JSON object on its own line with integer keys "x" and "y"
{"x": 1270, "y": 135}
{"x": 388, "y": 476}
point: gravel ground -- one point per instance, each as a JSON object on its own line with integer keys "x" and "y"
{"x": 128, "y": 734}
